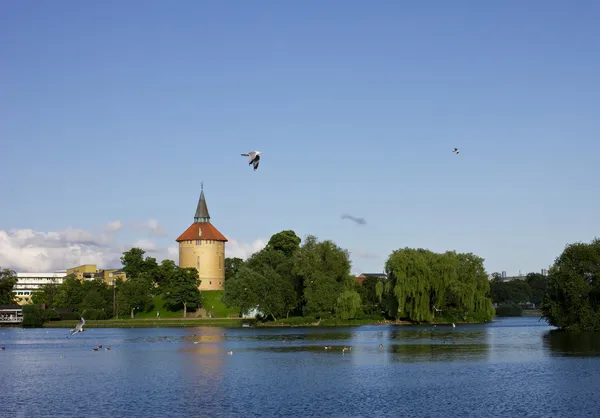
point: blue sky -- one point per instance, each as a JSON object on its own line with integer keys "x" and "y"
{"x": 117, "y": 110}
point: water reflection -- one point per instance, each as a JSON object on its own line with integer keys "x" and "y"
{"x": 567, "y": 344}
{"x": 516, "y": 368}
{"x": 412, "y": 353}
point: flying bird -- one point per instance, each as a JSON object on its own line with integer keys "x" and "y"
{"x": 456, "y": 150}
{"x": 78, "y": 327}
{"x": 359, "y": 221}
{"x": 253, "y": 158}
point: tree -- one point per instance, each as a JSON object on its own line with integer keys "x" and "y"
{"x": 134, "y": 264}
{"x": 134, "y": 293}
{"x": 264, "y": 280}
{"x": 285, "y": 241}
{"x": 516, "y": 291}
{"x": 46, "y": 294}
{"x": 420, "y": 280}
{"x": 232, "y": 266}
{"x": 166, "y": 271}
{"x": 572, "y": 300}
{"x": 182, "y": 289}
{"x": 239, "y": 290}
{"x": 33, "y": 316}
{"x": 70, "y": 293}
{"x": 348, "y": 304}
{"x": 8, "y": 280}
{"x": 323, "y": 272}
{"x": 371, "y": 293}
{"x": 537, "y": 283}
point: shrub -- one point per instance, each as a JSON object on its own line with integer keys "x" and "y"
{"x": 33, "y": 316}
{"x": 95, "y": 314}
{"x": 70, "y": 316}
{"x": 52, "y": 315}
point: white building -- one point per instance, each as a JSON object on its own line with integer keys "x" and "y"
{"x": 27, "y": 283}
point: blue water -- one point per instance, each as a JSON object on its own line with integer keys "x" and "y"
{"x": 510, "y": 368}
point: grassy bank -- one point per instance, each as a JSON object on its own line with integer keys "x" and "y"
{"x": 211, "y": 300}
{"x": 532, "y": 312}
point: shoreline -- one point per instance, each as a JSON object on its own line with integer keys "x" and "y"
{"x": 251, "y": 322}
{"x": 235, "y": 323}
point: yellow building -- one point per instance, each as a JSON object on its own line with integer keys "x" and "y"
{"x": 202, "y": 246}
{"x": 90, "y": 272}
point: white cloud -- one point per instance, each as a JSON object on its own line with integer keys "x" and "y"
{"x": 154, "y": 228}
{"x": 146, "y": 245}
{"x": 114, "y": 226}
{"x": 243, "y": 250}
{"x": 27, "y": 250}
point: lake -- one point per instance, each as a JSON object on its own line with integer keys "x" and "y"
{"x": 513, "y": 367}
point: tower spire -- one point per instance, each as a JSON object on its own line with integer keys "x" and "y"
{"x": 202, "y": 210}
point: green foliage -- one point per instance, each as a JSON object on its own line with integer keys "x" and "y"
{"x": 323, "y": 270}
{"x": 8, "y": 280}
{"x": 135, "y": 293}
{"x": 266, "y": 281}
{"x": 33, "y": 316}
{"x": 509, "y": 309}
{"x": 285, "y": 241}
{"x": 135, "y": 265}
{"x": 95, "y": 314}
{"x": 70, "y": 316}
{"x": 538, "y": 283}
{"x": 46, "y": 295}
{"x": 348, "y": 305}
{"x": 52, "y": 315}
{"x": 70, "y": 293}
{"x": 232, "y": 266}
{"x": 572, "y": 300}
{"x": 420, "y": 279}
{"x": 512, "y": 291}
{"x": 371, "y": 295}
{"x": 181, "y": 289}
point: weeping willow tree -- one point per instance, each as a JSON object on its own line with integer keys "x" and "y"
{"x": 423, "y": 283}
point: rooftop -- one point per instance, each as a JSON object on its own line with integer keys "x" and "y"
{"x": 203, "y": 231}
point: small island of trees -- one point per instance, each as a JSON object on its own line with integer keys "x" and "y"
{"x": 312, "y": 280}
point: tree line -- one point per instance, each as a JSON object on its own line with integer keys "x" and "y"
{"x": 145, "y": 279}
{"x": 312, "y": 278}
{"x": 511, "y": 295}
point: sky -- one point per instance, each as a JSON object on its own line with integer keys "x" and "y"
{"x": 112, "y": 113}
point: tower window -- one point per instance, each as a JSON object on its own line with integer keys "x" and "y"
{"x": 198, "y": 262}
{"x": 198, "y": 242}
{"x": 210, "y": 283}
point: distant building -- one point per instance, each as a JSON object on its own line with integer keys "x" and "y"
{"x": 202, "y": 246}
{"x": 91, "y": 272}
{"x": 505, "y": 278}
{"x": 11, "y": 314}
{"x": 27, "y": 283}
{"x": 360, "y": 279}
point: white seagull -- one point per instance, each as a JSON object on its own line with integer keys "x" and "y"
{"x": 78, "y": 327}
{"x": 253, "y": 157}
{"x": 456, "y": 150}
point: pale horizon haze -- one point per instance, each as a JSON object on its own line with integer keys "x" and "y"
{"x": 112, "y": 113}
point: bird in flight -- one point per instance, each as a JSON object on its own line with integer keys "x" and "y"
{"x": 253, "y": 158}
{"x": 456, "y": 150}
{"x": 78, "y": 327}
